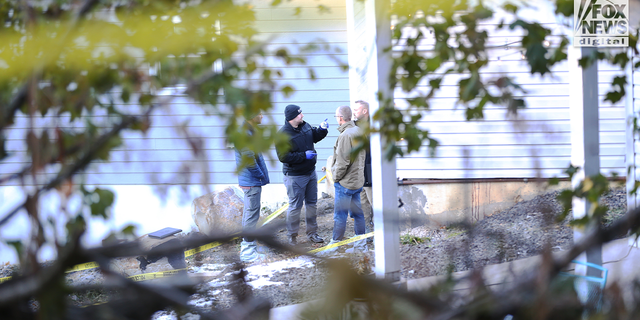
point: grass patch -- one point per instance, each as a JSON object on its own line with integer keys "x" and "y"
{"x": 454, "y": 234}
{"x": 410, "y": 239}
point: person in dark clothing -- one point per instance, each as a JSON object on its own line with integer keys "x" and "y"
{"x": 251, "y": 179}
{"x": 361, "y": 116}
{"x": 299, "y": 168}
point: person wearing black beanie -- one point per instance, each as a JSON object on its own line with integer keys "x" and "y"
{"x": 299, "y": 168}
{"x": 291, "y": 111}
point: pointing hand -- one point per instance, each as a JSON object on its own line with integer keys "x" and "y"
{"x": 324, "y": 125}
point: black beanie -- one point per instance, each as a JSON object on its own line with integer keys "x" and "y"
{"x": 291, "y": 111}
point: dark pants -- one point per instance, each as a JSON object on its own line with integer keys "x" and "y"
{"x": 302, "y": 189}
{"x": 251, "y": 212}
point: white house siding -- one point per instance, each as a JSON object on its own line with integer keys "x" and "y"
{"x": 535, "y": 143}
{"x": 163, "y": 155}
{"x": 361, "y": 32}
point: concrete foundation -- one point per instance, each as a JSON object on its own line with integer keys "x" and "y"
{"x": 441, "y": 203}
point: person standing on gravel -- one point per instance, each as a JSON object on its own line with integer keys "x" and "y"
{"x": 348, "y": 177}
{"x": 299, "y": 168}
{"x": 251, "y": 178}
{"x": 361, "y": 119}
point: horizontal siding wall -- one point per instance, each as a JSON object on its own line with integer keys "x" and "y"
{"x": 164, "y": 155}
{"x": 533, "y": 143}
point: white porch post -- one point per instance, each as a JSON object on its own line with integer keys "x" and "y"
{"x": 369, "y": 29}
{"x": 630, "y": 143}
{"x": 385, "y": 183}
{"x": 585, "y": 139}
{"x": 630, "y": 155}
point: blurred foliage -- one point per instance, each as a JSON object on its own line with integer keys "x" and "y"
{"x": 78, "y": 62}
{"x": 76, "y": 75}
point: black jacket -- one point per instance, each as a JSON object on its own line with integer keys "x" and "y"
{"x": 302, "y": 138}
{"x": 367, "y": 164}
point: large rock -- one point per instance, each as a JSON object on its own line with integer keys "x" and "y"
{"x": 219, "y": 212}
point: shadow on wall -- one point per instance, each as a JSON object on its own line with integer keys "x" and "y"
{"x": 412, "y": 213}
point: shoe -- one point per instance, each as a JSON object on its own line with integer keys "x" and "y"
{"x": 292, "y": 240}
{"x": 329, "y": 252}
{"x": 256, "y": 247}
{"x": 249, "y": 252}
{"x": 359, "y": 246}
{"x": 314, "y": 237}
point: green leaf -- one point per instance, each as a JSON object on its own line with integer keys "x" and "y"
{"x": 469, "y": 88}
{"x": 105, "y": 201}
{"x": 600, "y": 210}
{"x": 112, "y": 143}
{"x": 535, "y": 55}
{"x": 129, "y": 230}
{"x": 510, "y": 8}
{"x": 126, "y": 94}
{"x": 75, "y": 225}
{"x": 616, "y": 95}
{"x": 554, "y": 181}
{"x": 565, "y": 197}
{"x": 565, "y": 7}
{"x": 145, "y": 99}
{"x": 287, "y": 91}
{"x": 571, "y": 170}
{"x": 323, "y": 9}
{"x": 18, "y": 246}
{"x": 621, "y": 59}
{"x": 3, "y": 150}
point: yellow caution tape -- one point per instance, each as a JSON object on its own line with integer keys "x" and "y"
{"x": 143, "y": 277}
{"x": 282, "y": 209}
{"x": 275, "y": 214}
{"x": 79, "y": 267}
{"x": 329, "y": 176}
{"x": 188, "y": 253}
{"x": 155, "y": 275}
{"x": 201, "y": 248}
{"x": 168, "y": 273}
{"x": 137, "y": 277}
{"x": 95, "y": 304}
{"x": 83, "y": 266}
{"x": 343, "y": 242}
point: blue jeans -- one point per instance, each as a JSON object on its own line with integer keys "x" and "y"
{"x": 347, "y": 202}
{"x": 251, "y": 211}
{"x": 302, "y": 189}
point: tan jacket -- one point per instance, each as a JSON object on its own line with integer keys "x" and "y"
{"x": 349, "y": 173}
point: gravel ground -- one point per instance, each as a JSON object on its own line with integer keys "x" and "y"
{"x": 519, "y": 232}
